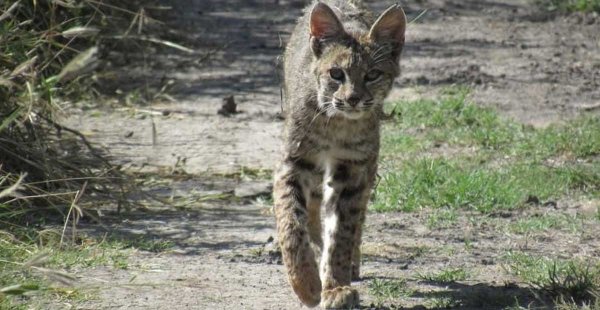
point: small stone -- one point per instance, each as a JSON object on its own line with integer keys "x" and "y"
{"x": 229, "y": 106}
{"x": 487, "y": 262}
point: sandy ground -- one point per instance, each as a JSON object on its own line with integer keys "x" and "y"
{"x": 533, "y": 67}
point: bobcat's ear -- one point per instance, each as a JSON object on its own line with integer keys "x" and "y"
{"x": 389, "y": 28}
{"x": 324, "y": 26}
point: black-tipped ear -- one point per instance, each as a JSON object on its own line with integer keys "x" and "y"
{"x": 324, "y": 25}
{"x": 390, "y": 28}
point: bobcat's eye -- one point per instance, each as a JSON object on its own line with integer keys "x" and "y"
{"x": 373, "y": 75}
{"x": 337, "y": 74}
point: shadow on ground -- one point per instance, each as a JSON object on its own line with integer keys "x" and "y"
{"x": 434, "y": 295}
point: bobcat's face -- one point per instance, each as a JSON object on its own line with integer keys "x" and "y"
{"x": 355, "y": 69}
{"x": 353, "y": 80}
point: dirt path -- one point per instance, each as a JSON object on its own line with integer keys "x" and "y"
{"x": 534, "y": 68}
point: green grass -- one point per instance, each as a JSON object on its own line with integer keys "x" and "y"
{"x": 441, "y": 303}
{"x": 545, "y": 222}
{"x": 441, "y": 218}
{"x": 458, "y": 183}
{"x": 385, "y": 290}
{"x": 571, "y": 305}
{"x": 28, "y": 267}
{"x": 570, "y": 5}
{"x": 452, "y": 119}
{"x": 567, "y": 281}
{"x": 577, "y": 138}
{"x": 448, "y": 275}
{"x": 450, "y": 153}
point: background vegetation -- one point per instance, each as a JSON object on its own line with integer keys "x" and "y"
{"x": 49, "y": 173}
{"x": 571, "y": 5}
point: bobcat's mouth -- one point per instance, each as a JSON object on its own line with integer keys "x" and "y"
{"x": 353, "y": 114}
{"x": 349, "y": 111}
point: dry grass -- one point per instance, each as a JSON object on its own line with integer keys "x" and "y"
{"x": 51, "y": 51}
{"x": 47, "y": 51}
{"x": 49, "y": 54}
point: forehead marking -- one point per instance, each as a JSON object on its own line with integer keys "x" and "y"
{"x": 356, "y": 58}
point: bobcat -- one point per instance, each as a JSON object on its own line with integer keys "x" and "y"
{"x": 340, "y": 65}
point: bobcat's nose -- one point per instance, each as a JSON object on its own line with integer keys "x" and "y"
{"x": 353, "y": 100}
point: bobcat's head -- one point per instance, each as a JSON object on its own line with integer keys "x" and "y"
{"x": 355, "y": 69}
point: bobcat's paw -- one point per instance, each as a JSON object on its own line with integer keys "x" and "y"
{"x": 342, "y": 297}
{"x": 308, "y": 288}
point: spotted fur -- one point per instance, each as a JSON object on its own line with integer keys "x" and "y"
{"x": 339, "y": 66}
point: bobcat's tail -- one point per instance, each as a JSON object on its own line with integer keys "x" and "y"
{"x": 298, "y": 256}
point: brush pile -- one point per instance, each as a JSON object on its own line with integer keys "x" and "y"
{"x": 48, "y": 53}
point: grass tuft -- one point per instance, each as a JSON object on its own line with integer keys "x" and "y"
{"x": 448, "y": 275}
{"x": 545, "y": 222}
{"x": 35, "y": 263}
{"x": 385, "y": 290}
{"x": 442, "y": 303}
{"x": 567, "y": 281}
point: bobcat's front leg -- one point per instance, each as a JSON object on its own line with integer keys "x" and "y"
{"x": 356, "y": 253}
{"x": 346, "y": 193}
{"x": 291, "y": 191}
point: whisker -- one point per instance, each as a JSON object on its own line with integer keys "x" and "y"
{"x": 376, "y": 52}
{"x": 320, "y": 112}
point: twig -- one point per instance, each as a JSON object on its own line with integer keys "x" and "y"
{"x": 70, "y": 179}
{"x": 8, "y": 12}
{"x": 121, "y": 9}
{"x": 591, "y": 107}
{"x": 74, "y": 221}
{"x": 39, "y": 196}
{"x": 418, "y": 16}
{"x": 8, "y": 191}
{"x": 155, "y": 40}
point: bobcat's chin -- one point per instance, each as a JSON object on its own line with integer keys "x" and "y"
{"x": 353, "y": 114}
